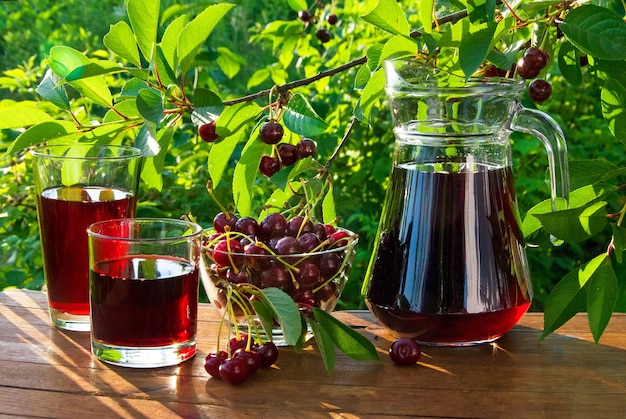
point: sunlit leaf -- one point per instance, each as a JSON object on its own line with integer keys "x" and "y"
{"x": 144, "y": 19}
{"x": 245, "y": 174}
{"x": 426, "y": 14}
{"x": 96, "y": 68}
{"x": 121, "y": 41}
{"x": 388, "y": 16}
{"x": 566, "y": 299}
{"x": 287, "y": 313}
{"x": 152, "y": 168}
{"x": 297, "y": 5}
{"x": 474, "y": 48}
{"x": 301, "y": 118}
{"x": 613, "y": 98}
{"x": 598, "y": 31}
{"x": 569, "y": 63}
{"x": 19, "y": 117}
{"x": 64, "y": 60}
{"x": 601, "y": 298}
{"x": 195, "y": 33}
{"x": 220, "y": 155}
{"x": 324, "y": 344}
{"x": 372, "y": 92}
{"x": 50, "y": 89}
{"x": 577, "y": 224}
{"x": 348, "y": 340}
{"x": 236, "y": 117}
{"x": 40, "y": 133}
{"x": 169, "y": 40}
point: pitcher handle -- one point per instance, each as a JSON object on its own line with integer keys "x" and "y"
{"x": 544, "y": 127}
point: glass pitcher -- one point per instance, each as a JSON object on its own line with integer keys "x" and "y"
{"x": 448, "y": 265}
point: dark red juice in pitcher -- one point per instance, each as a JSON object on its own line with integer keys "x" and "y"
{"x": 144, "y": 301}
{"x": 450, "y": 266}
{"x": 65, "y": 213}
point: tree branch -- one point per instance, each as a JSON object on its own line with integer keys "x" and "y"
{"x": 283, "y": 88}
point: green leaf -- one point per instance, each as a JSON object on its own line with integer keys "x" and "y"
{"x": 265, "y": 315}
{"x": 286, "y": 312}
{"x": 93, "y": 69}
{"x": 150, "y": 105}
{"x": 144, "y": 19}
{"x": 388, "y": 16}
{"x": 585, "y": 172}
{"x": 613, "y": 99}
{"x": 569, "y": 63}
{"x": 207, "y": 106}
{"x": 474, "y": 48}
{"x": 301, "y": 118}
{"x": 196, "y": 32}
{"x": 297, "y": 5}
{"x": 328, "y": 207}
{"x": 121, "y": 41}
{"x": 397, "y": 47}
{"x": 236, "y": 117}
{"x": 219, "y": 156}
{"x": 324, "y": 344}
{"x": 146, "y": 141}
{"x": 426, "y": 13}
{"x": 619, "y": 242}
{"x": 481, "y": 10}
{"x": 64, "y": 60}
{"x": 229, "y": 62}
{"x": 40, "y": 133}
{"x": 566, "y": 298}
{"x": 597, "y": 31}
{"x": 22, "y": 116}
{"x": 372, "y": 92}
{"x": 258, "y": 77}
{"x": 166, "y": 72}
{"x": 350, "y": 342}
{"x": 50, "y": 89}
{"x": 601, "y": 298}
{"x": 245, "y": 175}
{"x": 152, "y": 168}
{"x": 169, "y": 40}
{"x": 577, "y": 224}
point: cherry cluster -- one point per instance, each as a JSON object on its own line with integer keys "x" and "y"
{"x": 296, "y": 255}
{"x": 323, "y": 34}
{"x": 529, "y": 66}
{"x": 241, "y": 360}
{"x": 271, "y": 132}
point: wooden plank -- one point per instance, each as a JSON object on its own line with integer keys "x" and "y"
{"x": 53, "y": 373}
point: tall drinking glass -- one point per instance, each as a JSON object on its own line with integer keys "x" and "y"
{"x": 76, "y": 186}
{"x": 144, "y": 291}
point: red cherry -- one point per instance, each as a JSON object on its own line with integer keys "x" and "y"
{"x": 213, "y": 361}
{"x": 405, "y": 351}
{"x": 251, "y": 358}
{"x": 234, "y": 371}
{"x": 271, "y": 132}
{"x": 268, "y": 353}
{"x": 227, "y": 253}
{"x": 207, "y": 132}
{"x": 269, "y": 166}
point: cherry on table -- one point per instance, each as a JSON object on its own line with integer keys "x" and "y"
{"x": 268, "y": 352}
{"x": 405, "y": 351}
{"x": 250, "y": 357}
{"x": 234, "y": 371}
{"x": 212, "y": 363}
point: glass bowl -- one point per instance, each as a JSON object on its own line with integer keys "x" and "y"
{"x": 313, "y": 278}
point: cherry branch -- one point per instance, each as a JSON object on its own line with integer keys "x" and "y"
{"x": 283, "y": 88}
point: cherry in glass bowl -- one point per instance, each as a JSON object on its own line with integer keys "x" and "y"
{"x": 312, "y": 267}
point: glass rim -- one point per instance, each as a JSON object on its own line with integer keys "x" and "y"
{"x": 351, "y": 245}
{"x": 196, "y": 229}
{"x": 133, "y": 152}
{"x": 467, "y": 86}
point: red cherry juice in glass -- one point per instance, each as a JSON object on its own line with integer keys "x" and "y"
{"x": 450, "y": 267}
{"x": 65, "y": 213}
{"x": 144, "y": 301}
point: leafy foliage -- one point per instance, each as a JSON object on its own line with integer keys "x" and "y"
{"x": 168, "y": 68}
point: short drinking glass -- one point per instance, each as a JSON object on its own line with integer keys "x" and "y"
{"x": 144, "y": 291}
{"x": 76, "y": 186}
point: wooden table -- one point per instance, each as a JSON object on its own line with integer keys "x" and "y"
{"x": 46, "y": 372}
